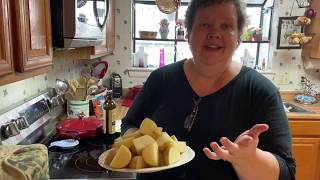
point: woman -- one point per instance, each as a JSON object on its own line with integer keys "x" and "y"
{"x": 211, "y": 101}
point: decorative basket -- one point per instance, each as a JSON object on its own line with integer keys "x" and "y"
{"x": 148, "y": 34}
{"x": 303, "y": 3}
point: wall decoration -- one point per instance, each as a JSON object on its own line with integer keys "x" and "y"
{"x": 286, "y": 28}
{"x": 303, "y": 3}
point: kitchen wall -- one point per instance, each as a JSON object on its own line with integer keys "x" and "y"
{"x": 17, "y": 92}
{"x": 287, "y": 66}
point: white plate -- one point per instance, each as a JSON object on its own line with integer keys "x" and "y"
{"x": 186, "y": 157}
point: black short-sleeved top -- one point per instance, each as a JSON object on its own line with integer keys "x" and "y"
{"x": 246, "y": 100}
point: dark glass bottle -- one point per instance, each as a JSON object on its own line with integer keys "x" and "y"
{"x": 108, "y": 115}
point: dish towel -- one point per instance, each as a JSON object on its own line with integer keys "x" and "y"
{"x": 25, "y": 162}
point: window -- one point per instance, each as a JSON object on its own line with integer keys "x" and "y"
{"x": 146, "y": 17}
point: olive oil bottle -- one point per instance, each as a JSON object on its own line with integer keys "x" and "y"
{"x": 109, "y": 124}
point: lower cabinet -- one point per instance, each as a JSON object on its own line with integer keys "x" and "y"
{"x": 306, "y": 148}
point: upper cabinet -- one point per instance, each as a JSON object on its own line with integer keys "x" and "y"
{"x": 6, "y": 66}
{"x": 25, "y": 33}
{"x": 32, "y": 29}
{"x": 311, "y": 50}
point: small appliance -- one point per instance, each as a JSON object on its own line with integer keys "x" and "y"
{"x": 78, "y": 23}
{"x": 115, "y": 84}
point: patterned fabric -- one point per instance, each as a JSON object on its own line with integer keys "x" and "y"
{"x": 26, "y": 162}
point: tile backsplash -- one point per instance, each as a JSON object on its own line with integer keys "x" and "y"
{"x": 287, "y": 66}
{"x": 17, "y": 92}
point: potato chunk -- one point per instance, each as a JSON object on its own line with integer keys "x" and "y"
{"x": 171, "y": 155}
{"x": 111, "y": 154}
{"x": 150, "y": 154}
{"x": 124, "y": 141}
{"x": 137, "y": 162}
{"x": 182, "y": 146}
{"x": 164, "y": 140}
{"x": 141, "y": 142}
{"x": 147, "y": 126}
{"x": 148, "y": 146}
{"x": 134, "y": 134}
{"x": 122, "y": 158}
{"x": 156, "y": 133}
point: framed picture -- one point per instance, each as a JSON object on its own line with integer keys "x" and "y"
{"x": 286, "y": 27}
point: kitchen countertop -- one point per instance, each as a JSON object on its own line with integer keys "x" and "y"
{"x": 289, "y": 96}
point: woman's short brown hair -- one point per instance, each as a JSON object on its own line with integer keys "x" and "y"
{"x": 194, "y": 5}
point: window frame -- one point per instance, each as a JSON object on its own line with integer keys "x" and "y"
{"x": 175, "y": 40}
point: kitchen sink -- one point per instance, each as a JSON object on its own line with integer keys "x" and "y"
{"x": 289, "y": 107}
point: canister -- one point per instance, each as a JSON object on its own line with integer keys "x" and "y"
{"x": 77, "y": 108}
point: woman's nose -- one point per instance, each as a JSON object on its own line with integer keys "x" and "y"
{"x": 214, "y": 35}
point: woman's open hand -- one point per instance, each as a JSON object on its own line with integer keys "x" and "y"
{"x": 240, "y": 150}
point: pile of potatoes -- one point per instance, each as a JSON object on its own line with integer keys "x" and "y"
{"x": 147, "y": 147}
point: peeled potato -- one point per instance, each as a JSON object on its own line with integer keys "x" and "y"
{"x": 161, "y": 159}
{"x": 124, "y": 141}
{"x": 110, "y": 156}
{"x": 137, "y": 162}
{"x": 134, "y": 134}
{"x": 171, "y": 155}
{"x": 164, "y": 140}
{"x": 181, "y": 146}
{"x": 174, "y": 138}
{"x": 149, "y": 146}
{"x": 156, "y": 133}
{"x": 141, "y": 142}
{"x": 122, "y": 158}
{"x": 147, "y": 126}
{"x": 150, "y": 154}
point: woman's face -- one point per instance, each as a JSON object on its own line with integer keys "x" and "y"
{"x": 214, "y": 35}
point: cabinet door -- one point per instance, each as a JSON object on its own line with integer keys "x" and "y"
{"x": 305, "y": 152}
{"x": 108, "y": 45}
{"x": 33, "y": 27}
{"x": 312, "y": 49}
{"x": 6, "y": 66}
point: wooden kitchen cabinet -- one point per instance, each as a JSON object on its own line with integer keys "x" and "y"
{"x": 31, "y": 46}
{"x": 6, "y": 66}
{"x": 306, "y": 148}
{"x": 32, "y": 30}
{"x": 312, "y": 49}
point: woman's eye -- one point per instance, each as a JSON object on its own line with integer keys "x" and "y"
{"x": 204, "y": 25}
{"x": 226, "y": 26}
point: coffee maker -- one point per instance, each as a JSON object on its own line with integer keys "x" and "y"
{"x": 115, "y": 84}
